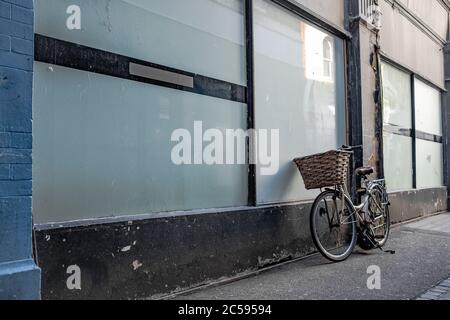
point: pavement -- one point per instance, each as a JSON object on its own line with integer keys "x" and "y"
{"x": 420, "y": 269}
{"x": 440, "y": 292}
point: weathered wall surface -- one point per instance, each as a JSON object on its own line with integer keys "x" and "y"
{"x": 414, "y": 204}
{"x": 368, "y": 84}
{"x": 406, "y": 40}
{"x": 332, "y": 10}
{"x": 433, "y": 13}
{"x": 139, "y": 259}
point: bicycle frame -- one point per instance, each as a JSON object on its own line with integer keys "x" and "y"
{"x": 362, "y": 209}
{"x": 369, "y": 220}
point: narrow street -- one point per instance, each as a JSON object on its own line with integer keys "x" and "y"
{"x": 421, "y": 262}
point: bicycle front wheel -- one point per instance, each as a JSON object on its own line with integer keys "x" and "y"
{"x": 334, "y": 226}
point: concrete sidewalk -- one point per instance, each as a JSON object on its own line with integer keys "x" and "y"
{"x": 422, "y": 261}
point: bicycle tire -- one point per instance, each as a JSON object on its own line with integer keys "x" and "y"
{"x": 331, "y": 194}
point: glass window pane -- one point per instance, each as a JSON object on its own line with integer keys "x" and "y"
{"x": 429, "y": 164}
{"x": 102, "y": 147}
{"x": 199, "y": 36}
{"x": 428, "y": 108}
{"x": 398, "y": 165}
{"x": 397, "y": 109}
{"x": 297, "y": 94}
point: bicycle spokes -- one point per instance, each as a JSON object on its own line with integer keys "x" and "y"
{"x": 334, "y": 225}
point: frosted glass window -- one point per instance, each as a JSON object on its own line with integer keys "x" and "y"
{"x": 102, "y": 148}
{"x": 398, "y": 168}
{"x": 297, "y": 94}
{"x": 428, "y": 108}
{"x": 199, "y": 36}
{"x": 429, "y": 164}
{"x": 397, "y": 109}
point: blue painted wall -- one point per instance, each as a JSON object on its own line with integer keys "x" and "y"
{"x": 19, "y": 276}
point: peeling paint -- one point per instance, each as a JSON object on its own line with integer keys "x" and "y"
{"x": 277, "y": 258}
{"x": 137, "y": 265}
{"x": 126, "y": 249}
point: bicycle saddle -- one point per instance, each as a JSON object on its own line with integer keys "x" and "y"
{"x": 365, "y": 171}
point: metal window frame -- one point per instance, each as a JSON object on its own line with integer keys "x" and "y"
{"x": 250, "y": 42}
{"x": 413, "y": 129}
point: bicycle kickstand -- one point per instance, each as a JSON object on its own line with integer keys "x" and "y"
{"x": 386, "y": 251}
{"x": 377, "y": 245}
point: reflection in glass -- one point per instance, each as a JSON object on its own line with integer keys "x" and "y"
{"x": 327, "y": 57}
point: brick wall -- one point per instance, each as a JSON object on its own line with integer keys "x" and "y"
{"x": 16, "y": 78}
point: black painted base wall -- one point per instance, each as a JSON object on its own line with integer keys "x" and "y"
{"x": 169, "y": 254}
{"x": 144, "y": 259}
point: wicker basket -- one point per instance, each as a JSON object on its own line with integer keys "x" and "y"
{"x": 327, "y": 169}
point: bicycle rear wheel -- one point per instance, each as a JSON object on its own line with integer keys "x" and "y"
{"x": 379, "y": 211}
{"x": 334, "y": 226}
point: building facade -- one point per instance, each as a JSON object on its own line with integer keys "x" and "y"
{"x": 116, "y": 86}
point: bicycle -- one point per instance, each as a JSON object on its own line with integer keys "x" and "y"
{"x": 337, "y": 224}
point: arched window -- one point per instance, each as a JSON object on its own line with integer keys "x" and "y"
{"x": 328, "y": 57}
